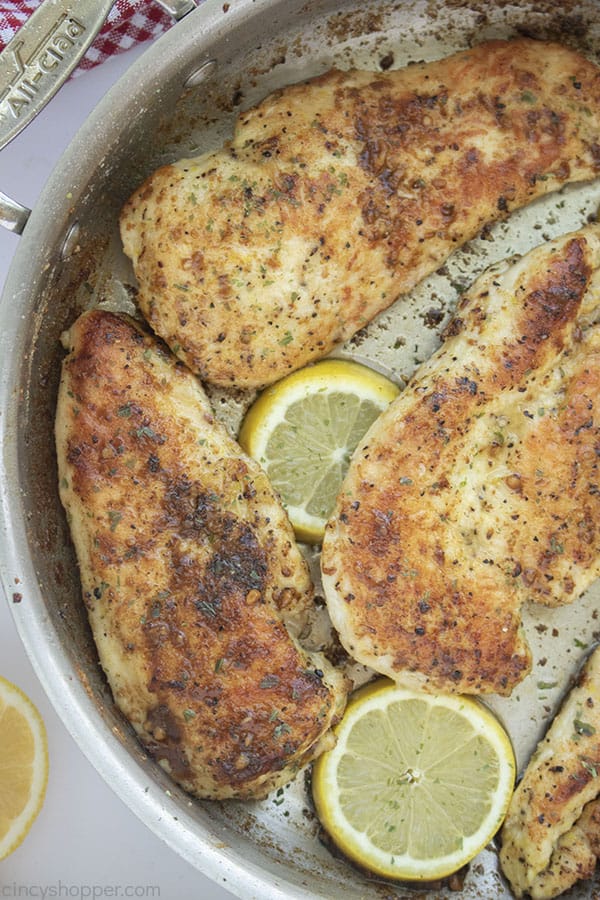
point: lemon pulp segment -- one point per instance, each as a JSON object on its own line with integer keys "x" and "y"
{"x": 417, "y": 784}
{"x": 23, "y": 766}
{"x": 304, "y": 429}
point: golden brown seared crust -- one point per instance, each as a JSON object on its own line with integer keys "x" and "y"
{"x": 551, "y": 835}
{"x": 337, "y": 195}
{"x": 478, "y": 488}
{"x": 192, "y": 580}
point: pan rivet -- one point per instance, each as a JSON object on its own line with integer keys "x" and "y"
{"x": 205, "y": 71}
{"x": 71, "y": 240}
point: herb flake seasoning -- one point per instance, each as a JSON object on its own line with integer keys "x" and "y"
{"x": 209, "y": 608}
{"x": 281, "y": 729}
{"x": 583, "y": 728}
{"x": 114, "y": 517}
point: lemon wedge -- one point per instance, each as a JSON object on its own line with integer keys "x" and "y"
{"x": 304, "y": 429}
{"x": 417, "y": 783}
{"x": 23, "y": 766}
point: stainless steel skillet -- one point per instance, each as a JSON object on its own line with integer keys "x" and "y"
{"x": 182, "y": 96}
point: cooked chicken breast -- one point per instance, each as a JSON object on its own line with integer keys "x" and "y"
{"x": 336, "y": 196}
{"x": 478, "y": 488}
{"x": 195, "y": 589}
{"x": 551, "y": 835}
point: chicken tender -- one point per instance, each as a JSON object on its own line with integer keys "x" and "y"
{"x": 551, "y": 835}
{"x": 478, "y": 488}
{"x": 195, "y": 589}
{"x": 340, "y": 194}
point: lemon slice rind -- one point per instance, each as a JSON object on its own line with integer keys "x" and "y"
{"x": 357, "y": 844}
{"x": 329, "y": 377}
{"x": 12, "y": 696}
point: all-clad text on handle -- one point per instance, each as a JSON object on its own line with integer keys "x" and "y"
{"x": 42, "y": 55}
{"x": 37, "y": 62}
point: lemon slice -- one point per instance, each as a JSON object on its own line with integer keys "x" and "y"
{"x": 417, "y": 783}
{"x": 304, "y": 429}
{"x": 23, "y": 766}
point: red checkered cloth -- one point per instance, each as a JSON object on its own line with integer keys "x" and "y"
{"x": 129, "y": 22}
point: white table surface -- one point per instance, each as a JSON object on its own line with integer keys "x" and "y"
{"x": 85, "y": 842}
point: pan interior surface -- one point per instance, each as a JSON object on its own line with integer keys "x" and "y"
{"x": 183, "y": 97}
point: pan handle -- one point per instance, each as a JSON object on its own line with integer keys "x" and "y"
{"x": 13, "y": 216}
{"x": 37, "y": 62}
{"x": 42, "y": 55}
{"x": 177, "y": 9}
